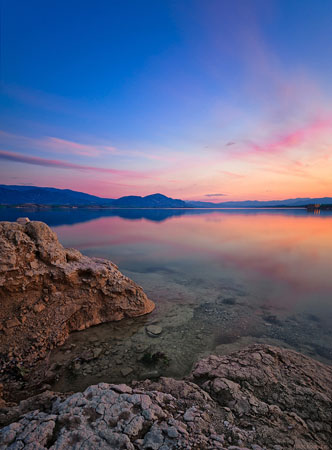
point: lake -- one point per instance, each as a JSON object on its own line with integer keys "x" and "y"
{"x": 221, "y": 280}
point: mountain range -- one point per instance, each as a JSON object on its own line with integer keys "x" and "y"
{"x": 23, "y": 195}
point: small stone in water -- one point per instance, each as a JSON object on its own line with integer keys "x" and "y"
{"x": 97, "y": 352}
{"x": 153, "y": 330}
{"x": 126, "y": 371}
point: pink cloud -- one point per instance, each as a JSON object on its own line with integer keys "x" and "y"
{"x": 280, "y": 144}
{"x": 231, "y": 174}
{"x": 57, "y": 144}
{"x": 17, "y": 157}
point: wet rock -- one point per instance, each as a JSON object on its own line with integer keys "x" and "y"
{"x": 97, "y": 352}
{"x": 126, "y": 371}
{"x": 56, "y": 291}
{"x": 139, "y": 348}
{"x": 153, "y": 330}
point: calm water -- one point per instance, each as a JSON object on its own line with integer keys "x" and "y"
{"x": 221, "y": 279}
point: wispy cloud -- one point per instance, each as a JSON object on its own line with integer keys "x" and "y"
{"x": 229, "y": 174}
{"x": 18, "y": 157}
{"x": 281, "y": 143}
{"x": 215, "y": 195}
{"x": 296, "y": 137}
{"x": 52, "y": 144}
{"x": 57, "y": 144}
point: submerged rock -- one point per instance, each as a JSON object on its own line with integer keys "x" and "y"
{"x": 260, "y": 398}
{"x": 47, "y": 291}
{"x": 153, "y": 330}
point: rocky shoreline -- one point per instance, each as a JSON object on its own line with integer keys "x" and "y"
{"x": 259, "y": 398}
{"x": 46, "y": 292}
{"x": 262, "y": 397}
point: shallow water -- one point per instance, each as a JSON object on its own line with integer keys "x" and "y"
{"x": 221, "y": 279}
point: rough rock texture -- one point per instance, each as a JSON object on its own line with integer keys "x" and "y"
{"x": 47, "y": 291}
{"x": 259, "y": 398}
{"x": 286, "y": 396}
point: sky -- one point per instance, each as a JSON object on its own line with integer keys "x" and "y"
{"x": 213, "y": 100}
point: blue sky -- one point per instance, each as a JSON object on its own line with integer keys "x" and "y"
{"x": 184, "y": 97}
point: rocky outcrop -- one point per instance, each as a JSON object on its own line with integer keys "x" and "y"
{"x": 283, "y": 396}
{"x": 259, "y": 398}
{"x": 47, "y": 291}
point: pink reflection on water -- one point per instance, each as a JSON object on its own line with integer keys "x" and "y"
{"x": 289, "y": 254}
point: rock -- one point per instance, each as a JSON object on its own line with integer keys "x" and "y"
{"x": 38, "y": 307}
{"x": 57, "y": 291}
{"x": 172, "y": 432}
{"x": 277, "y": 400}
{"x": 97, "y": 352}
{"x": 12, "y": 323}
{"x": 126, "y": 371}
{"x": 153, "y": 330}
{"x": 23, "y": 220}
{"x": 153, "y": 439}
{"x": 189, "y": 415}
{"x": 285, "y": 396}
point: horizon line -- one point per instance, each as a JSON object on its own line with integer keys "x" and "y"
{"x": 158, "y": 193}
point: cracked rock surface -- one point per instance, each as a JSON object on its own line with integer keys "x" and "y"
{"x": 48, "y": 291}
{"x": 259, "y": 398}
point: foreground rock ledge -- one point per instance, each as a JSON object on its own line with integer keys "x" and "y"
{"x": 259, "y": 398}
{"x": 47, "y": 291}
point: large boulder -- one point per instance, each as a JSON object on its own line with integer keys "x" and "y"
{"x": 261, "y": 398}
{"x": 48, "y": 291}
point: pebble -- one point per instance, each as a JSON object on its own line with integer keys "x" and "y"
{"x": 189, "y": 415}
{"x": 126, "y": 371}
{"x": 97, "y": 352}
{"x": 153, "y": 330}
{"x": 39, "y": 307}
{"x": 172, "y": 432}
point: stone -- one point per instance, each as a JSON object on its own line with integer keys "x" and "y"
{"x": 153, "y": 330}
{"x": 126, "y": 371}
{"x": 189, "y": 415}
{"x": 39, "y": 307}
{"x": 23, "y": 220}
{"x": 153, "y": 439}
{"x": 81, "y": 292}
{"x": 172, "y": 432}
{"x": 200, "y": 412}
{"x": 97, "y": 352}
{"x": 12, "y": 323}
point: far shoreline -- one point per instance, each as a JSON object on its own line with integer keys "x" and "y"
{"x": 29, "y": 206}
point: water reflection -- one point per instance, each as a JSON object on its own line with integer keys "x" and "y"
{"x": 70, "y": 216}
{"x": 221, "y": 279}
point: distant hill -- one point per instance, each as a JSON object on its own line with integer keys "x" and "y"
{"x": 22, "y": 195}
{"x": 17, "y": 195}
{"x": 294, "y": 202}
{"x": 150, "y": 201}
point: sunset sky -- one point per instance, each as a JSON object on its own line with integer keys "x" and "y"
{"x": 211, "y": 100}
